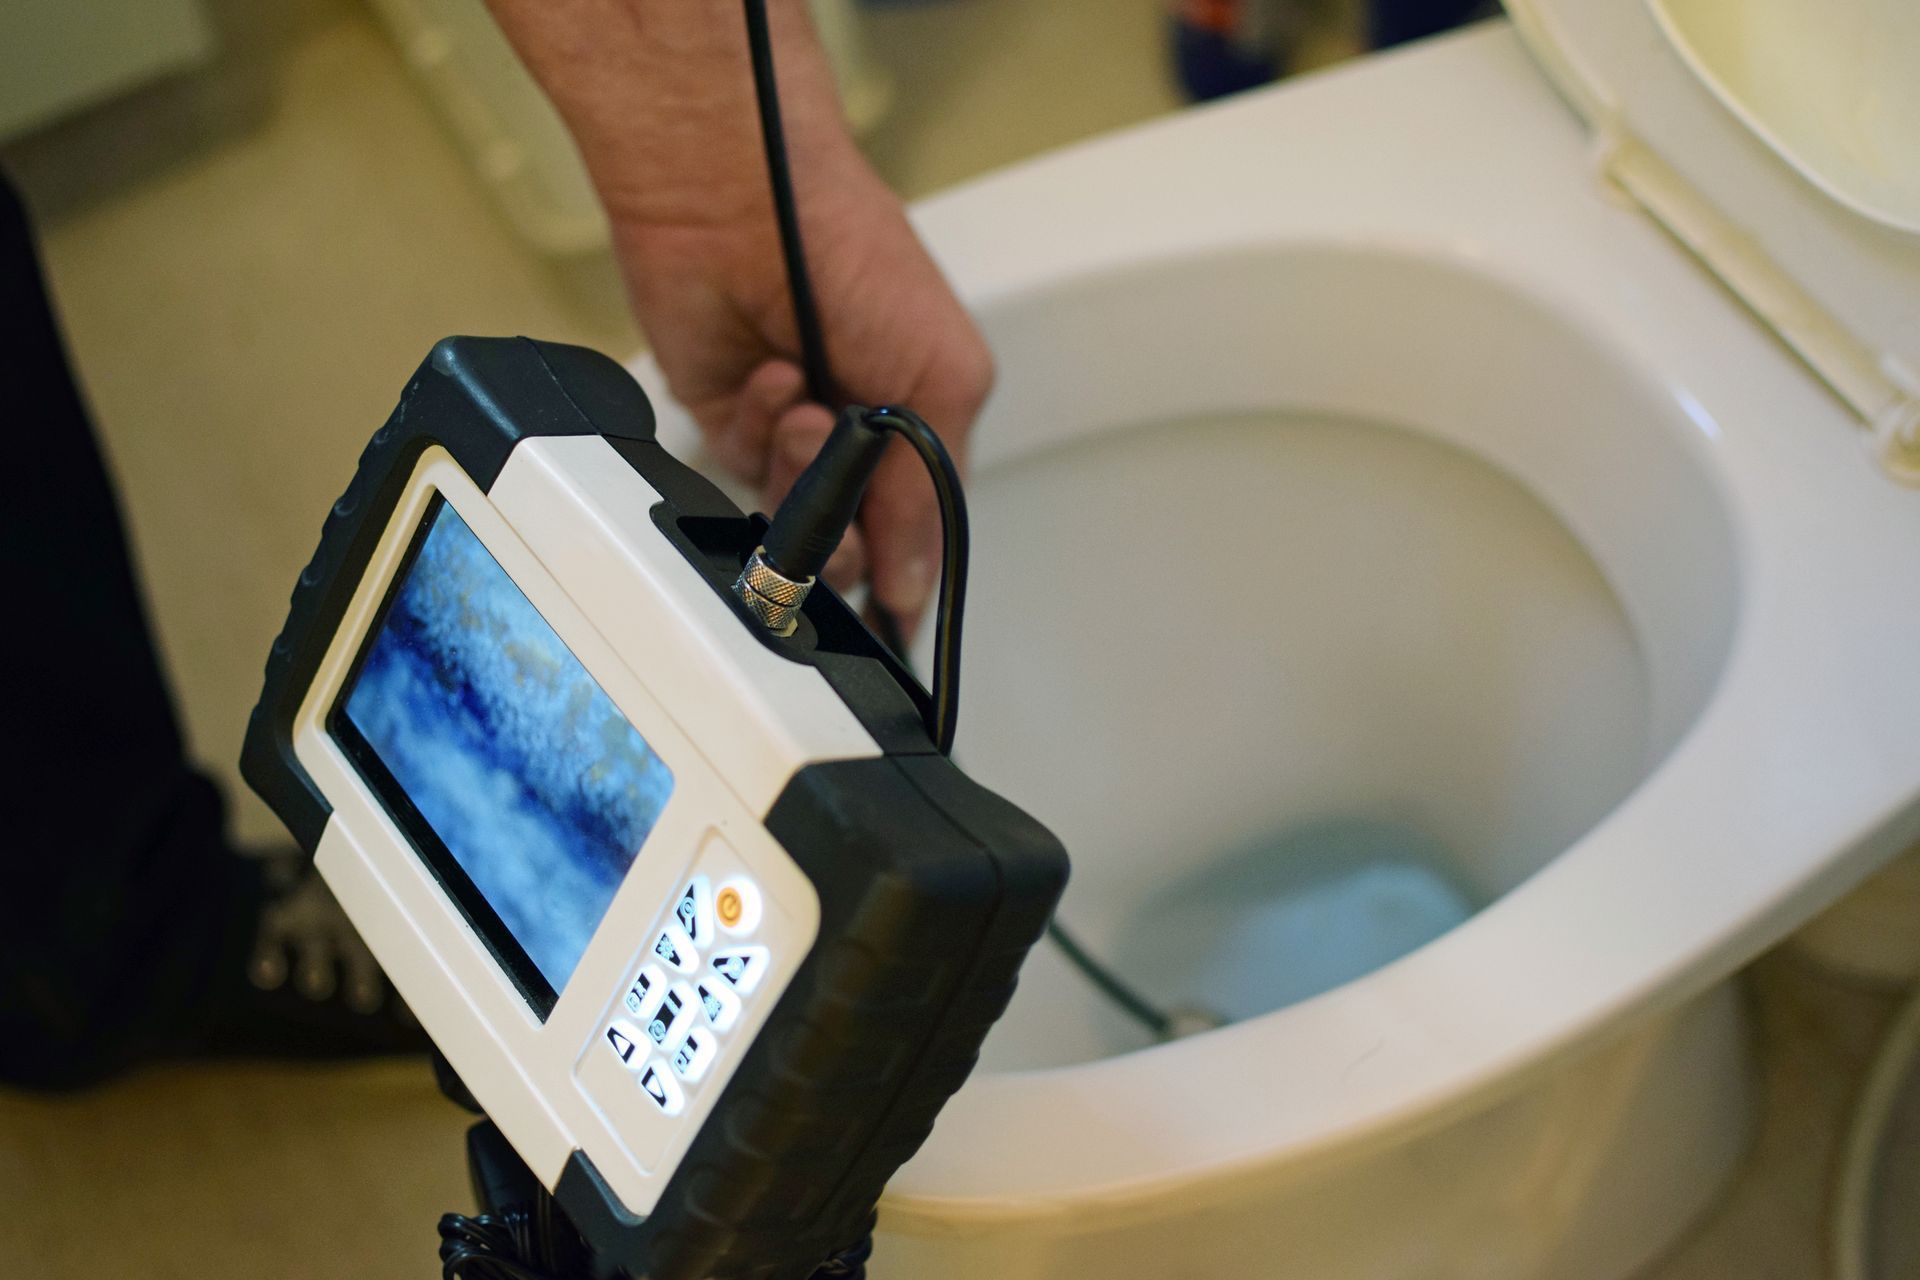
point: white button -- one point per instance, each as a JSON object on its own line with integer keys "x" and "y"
{"x": 646, "y": 993}
{"x": 626, "y": 1043}
{"x": 737, "y": 905}
{"x": 676, "y": 949}
{"x": 694, "y": 910}
{"x": 661, "y": 1087}
{"x": 691, "y": 1057}
{"x": 718, "y": 1002}
{"x": 670, "y": 1018}
{"x": 741, "y": 966}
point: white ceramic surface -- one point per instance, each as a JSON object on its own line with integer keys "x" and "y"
{"x": 1830, "y": 86}
{"x": 1646, "y": 747}
{"x": 1758, "y": 146}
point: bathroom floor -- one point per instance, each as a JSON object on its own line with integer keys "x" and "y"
{"x": 234, "y": 1173}
{"x": 248, "y": 267}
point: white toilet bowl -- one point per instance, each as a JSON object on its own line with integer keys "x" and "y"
{"x": 1451, "y": 635}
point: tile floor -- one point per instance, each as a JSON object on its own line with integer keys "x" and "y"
{"x": 248, "y": 267}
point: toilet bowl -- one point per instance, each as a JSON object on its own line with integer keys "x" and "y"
{"x": 1452, "y": 631}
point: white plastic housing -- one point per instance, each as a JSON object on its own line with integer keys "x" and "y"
{"x": 568, "y": 520}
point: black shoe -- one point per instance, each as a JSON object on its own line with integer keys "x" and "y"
{"x": 251, "y": 958}
{"x": 307, "y": 988}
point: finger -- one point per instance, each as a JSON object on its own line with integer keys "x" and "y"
{"x": 901, "y": 523}
{"x": 744, "y": 446}
{"x": 794, "y": 441}
{"x": 847, "y": 567}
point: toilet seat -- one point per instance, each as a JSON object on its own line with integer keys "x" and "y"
{"x": 1802, "y": 772}
{"x": 1785, "y": 162}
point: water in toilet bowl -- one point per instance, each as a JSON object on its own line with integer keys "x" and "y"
{"x": 1358, "y": 684}
{"x": 1287, "y": 918}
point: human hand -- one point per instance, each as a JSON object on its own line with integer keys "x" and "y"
{"x": 713, "y": 299}
{"x": 659, "y": 96}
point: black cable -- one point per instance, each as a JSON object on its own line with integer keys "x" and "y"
{"x": 518, "y": 1243}
{"x": 945, "y": 692}
{"x": 535, "y": 1242}
{"x": 773, "y": 137}
{"x": 814, "y": 516}
{"x": 946, "y": 684}
{"x": 501, "y": 1246}
{"x": 1114, "y": 987}
{"x": 956, "y": 539}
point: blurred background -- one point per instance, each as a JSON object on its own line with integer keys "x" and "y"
{"x": 256, "y": 219}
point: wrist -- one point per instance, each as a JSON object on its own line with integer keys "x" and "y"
{"x": 658, "y": 96}
{"x": 839, "y": 196}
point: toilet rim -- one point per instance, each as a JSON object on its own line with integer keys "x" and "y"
{"x": 1798, "y": 776}
{"x": 1449, "y": 1026}
{"x": 1788, "y": 786}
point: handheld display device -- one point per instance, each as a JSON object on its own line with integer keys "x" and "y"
{"x": 696, "y": 911}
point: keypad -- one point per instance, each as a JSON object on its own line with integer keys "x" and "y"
{"x": 676, "y": 950}
{"x": 662, "y": 1088}
{"x": 718, "y": 1003}
{"x": 626, "y": 1043}
{"x": 741, "y": 967}
{"x": 691, "y": 1055}
{"x": 737, "y": 906}
{"x": 646, "y": 993}
{"x": 690, "y": 992}
{"x": 694, "y": 911}
{"x": 666, "y": 1019}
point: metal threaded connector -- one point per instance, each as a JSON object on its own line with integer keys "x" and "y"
{"x": 770, "y": 595}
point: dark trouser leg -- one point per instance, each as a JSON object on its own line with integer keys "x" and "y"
{"x": 118, "y": 897}
{"x": 1392, "y": 22}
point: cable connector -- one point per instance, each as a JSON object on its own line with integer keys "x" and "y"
{"x": 770, "y": 595}
{"x": 810, "y": 522}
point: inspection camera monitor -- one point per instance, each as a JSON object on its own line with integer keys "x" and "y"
{"x": 696, "y": 911}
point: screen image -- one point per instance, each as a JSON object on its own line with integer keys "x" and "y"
{"x": 519, "y": 781}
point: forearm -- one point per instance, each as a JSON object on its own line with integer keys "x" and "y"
{"x": 659, "y": 97}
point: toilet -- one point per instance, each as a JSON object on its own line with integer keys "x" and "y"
{"x": 1447, "y": 564}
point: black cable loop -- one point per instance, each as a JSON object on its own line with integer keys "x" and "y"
{"x": 945, "y": 691}
{"x": 956, "y": 538}
{"x": 498, "y": 1246}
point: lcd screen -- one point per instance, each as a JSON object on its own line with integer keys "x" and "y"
{"x": 517, "y": 779}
